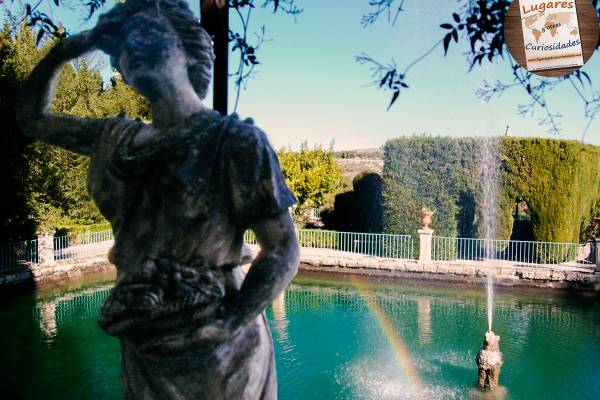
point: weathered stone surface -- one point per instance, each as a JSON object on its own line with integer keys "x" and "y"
{"x": 415, "y": 267}
{"x": 505, "y": 276}
{"x": 481, "y": 272}
{"x": 470, "y": 270}
{"x": 330, "y": 261}
{"x": 312, "y": 260}
{"x": 355, "y": 263}
{"x": 443, "y": 269}
{"x": 425, "y": 240}
{"x": 542, "y": 274}
{"x": 506, "y": 271}
{"x": 46, "y": 249}
{"x": 389, "y": 264}
{"x": 430, "y": 268}
{"x": 527, "y": 274}
{"x": 402, "y": 267}
{"x": 370, "y": 262}
{"x": 489, "y": 361}
{"x": 557, "y": 276}
{"x": 572, "y": 276}
{"x": 342, "y": 261}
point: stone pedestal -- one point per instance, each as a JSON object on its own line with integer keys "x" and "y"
{"x": 425, "y": 238}
{"x": 45, "y": 249}
{"x": 489, "y": 362}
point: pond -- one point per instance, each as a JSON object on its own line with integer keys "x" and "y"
{"x": 335, "y": 338}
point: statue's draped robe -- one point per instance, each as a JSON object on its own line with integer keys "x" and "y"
{"x": 179, "y": 205}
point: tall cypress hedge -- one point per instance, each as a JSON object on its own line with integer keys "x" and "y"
{"x": 558, "y": 179}
{"x": 432, "y": 172}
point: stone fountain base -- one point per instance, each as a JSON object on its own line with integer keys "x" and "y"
{"x": 489, "y": 362}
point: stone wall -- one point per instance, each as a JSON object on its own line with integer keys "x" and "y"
{"x": 467, "y": 272}
{"x": 337, "y": 262}
{"x": 56, "y": 273}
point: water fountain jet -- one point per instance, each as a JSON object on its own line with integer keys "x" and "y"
{"x": 489, "y": 358}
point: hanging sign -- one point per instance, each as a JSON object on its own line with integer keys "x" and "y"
{"x": 550, "y": 34}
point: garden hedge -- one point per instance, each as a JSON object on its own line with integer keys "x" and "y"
{"x": 557, "y": 179}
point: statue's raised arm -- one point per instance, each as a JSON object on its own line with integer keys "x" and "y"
{"x": 34, "y": 111}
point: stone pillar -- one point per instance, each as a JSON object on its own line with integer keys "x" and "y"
{"x": 45, "y": 249}
{"x": 425, "y": 235}
{"x": 425, "y": 239}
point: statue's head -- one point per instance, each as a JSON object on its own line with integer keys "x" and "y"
{"x": 491, "y": 341}
{"x": 153, "y": 42}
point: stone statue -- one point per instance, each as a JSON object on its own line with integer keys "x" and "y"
{"x": 489, "y": 362}
{"x": 179, "y": 193}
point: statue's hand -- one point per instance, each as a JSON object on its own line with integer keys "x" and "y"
{"x": 105, "y": 32}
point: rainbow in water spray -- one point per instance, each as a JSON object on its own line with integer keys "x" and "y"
{"x": 397, "y": 345}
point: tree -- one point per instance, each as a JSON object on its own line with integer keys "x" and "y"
{"x": 37, "y": 16}
{"x": 311, "y": 174}
{"x": 47, "y": 186}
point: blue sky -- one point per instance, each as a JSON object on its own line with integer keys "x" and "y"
{"x": 308, "y": 86}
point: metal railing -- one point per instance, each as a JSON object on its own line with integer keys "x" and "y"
{"x": 16, "y": 255}
{"x": 372, "y": 244}
{"x": 449, "y": 249}
{"x": 26, "y": 253}
{"x": 82, "y": 245}
{"x": 22, "y": 254}
{"x": 249, "y": 237}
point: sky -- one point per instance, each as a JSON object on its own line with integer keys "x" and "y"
{"x": 310, "y": 88}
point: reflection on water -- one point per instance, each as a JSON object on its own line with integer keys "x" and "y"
{"x": 279, "y": 321}
{"x": 424, "y": 319}
{"x": 596, "y": 313}
{"x": 48, "y": 320}
{"x": 341, "y": 352}
{"x": 330, "y": 345}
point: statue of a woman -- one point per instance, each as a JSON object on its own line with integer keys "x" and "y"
{"x": 179, "y": 193}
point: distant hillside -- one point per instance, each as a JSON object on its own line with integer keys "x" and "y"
{"x": 375, "y": 153}
{"x": 355, "y": 161}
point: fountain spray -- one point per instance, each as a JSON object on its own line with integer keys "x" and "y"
{"x": 489, "y": 358}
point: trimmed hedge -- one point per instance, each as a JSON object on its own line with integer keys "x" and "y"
{"x": 76, "y": 229}
{"x": 557, "y": 179}
{"x": 360, "y": 210}
{"x": 432, "y": 172}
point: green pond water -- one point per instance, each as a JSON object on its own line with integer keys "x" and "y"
{"x": 334, "y": 339}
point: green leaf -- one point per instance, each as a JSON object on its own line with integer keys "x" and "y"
{"x": 447, "y": 40}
